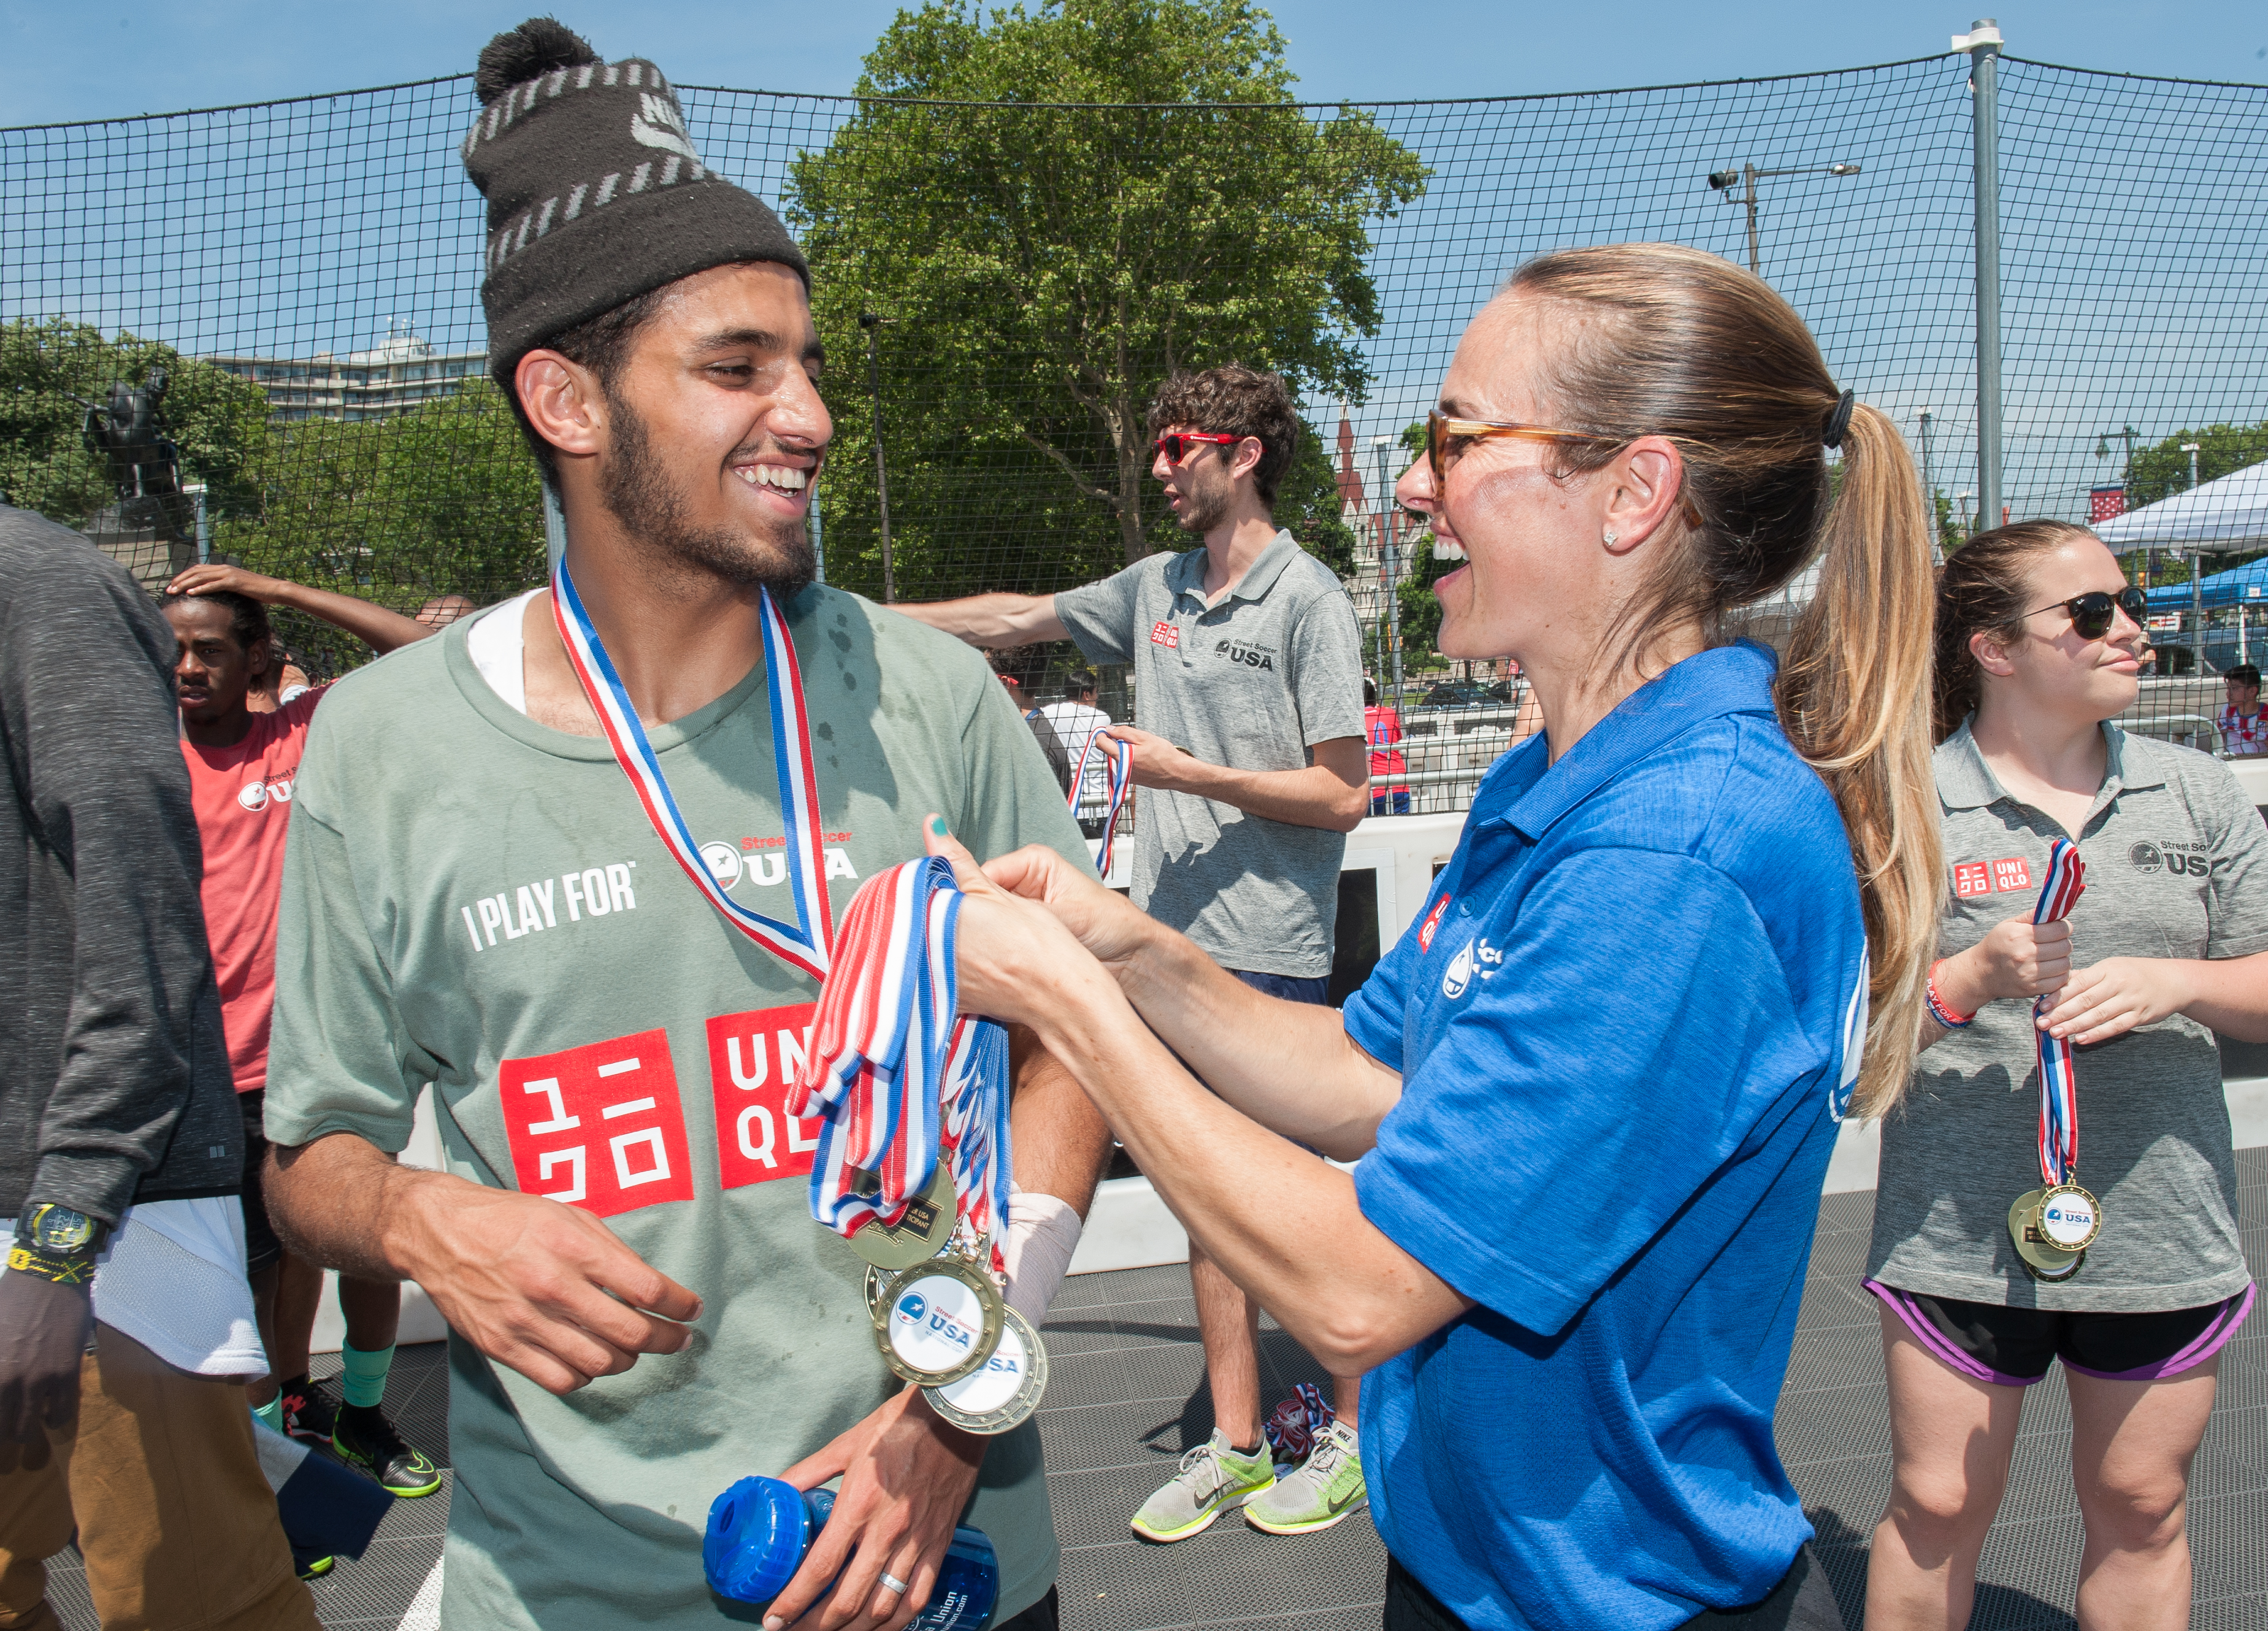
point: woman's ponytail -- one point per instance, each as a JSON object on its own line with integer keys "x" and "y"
{"x": 1855, "y": 697}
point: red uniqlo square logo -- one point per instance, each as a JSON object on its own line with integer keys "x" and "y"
{"x": 1164, "y": 633}
{"x": 1971, "y": 877}
{"x": 753, "y": 1061}
{"x": 2012, "y": 874}
{"x": 599, "y": 1127}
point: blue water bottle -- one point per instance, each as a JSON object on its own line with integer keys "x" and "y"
{"x": 760, "y": 1529}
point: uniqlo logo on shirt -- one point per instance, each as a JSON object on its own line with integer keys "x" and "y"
{"x": 2012, "y": 874}
{"x": 1164, "y": 633}
{"x": 753, "y": 1058}
{"x": 599, "y": 1127}
{"x": 1971, "y": 877}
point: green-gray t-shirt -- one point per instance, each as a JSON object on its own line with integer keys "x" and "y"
{"x": 473, "y": 900}
{"x": 2176, "y": 866}
{"x": 1254, "y": 682}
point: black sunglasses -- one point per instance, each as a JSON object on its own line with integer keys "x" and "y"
{"x": 2090, "y": 613}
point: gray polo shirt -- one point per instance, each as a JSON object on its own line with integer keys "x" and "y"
{"x": 1254, "y": 682}
{"x": 2176, "y": 866}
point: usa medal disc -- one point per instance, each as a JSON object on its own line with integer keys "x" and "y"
{"x": 877, "y": 1290}
{"x": 942, "y": 1322}
{"x": 2043, "y": 1258}
{"x": 1004, "y": 1393}
{"x": 920, "y": 1232}
{"x": 2069, "y": 1217}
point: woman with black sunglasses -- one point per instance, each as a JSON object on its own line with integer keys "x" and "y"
{"x": 2096, "y": 1224}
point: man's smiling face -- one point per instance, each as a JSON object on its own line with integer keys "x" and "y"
{"x": 715, "y": 427}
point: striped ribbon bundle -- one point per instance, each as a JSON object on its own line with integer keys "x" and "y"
{"x": 2059, "y": 892}
{"x": 1120, "y": 772}
{"x": 791, "y": 764}
{"x": 891, "y": 1069}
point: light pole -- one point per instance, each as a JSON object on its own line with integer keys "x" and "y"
{"x": 1383, "y": 446}
{"x": 870, "y": 323}
{"x": 1962, "y": 499}
{"x": 1929, "y": 486}
{"x": 2196, "y": 575}
{"x": 1747, "y": 177}
{"x": 1983, "y": 43}
{"x": 2125, "y": 478}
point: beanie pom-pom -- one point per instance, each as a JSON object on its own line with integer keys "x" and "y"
{"x": 535, "y": 48}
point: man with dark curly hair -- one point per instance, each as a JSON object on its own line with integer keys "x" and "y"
{"x": 1249, "y": 746}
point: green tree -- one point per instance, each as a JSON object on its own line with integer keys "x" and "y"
{"x": 2162, "y": 470}
{"x": 218, "y": 422}
{"x": 1040, "y": 267}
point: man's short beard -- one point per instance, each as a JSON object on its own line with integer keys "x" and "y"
{"x": 1205, "y": 504}
{"x": 638, "y": 492}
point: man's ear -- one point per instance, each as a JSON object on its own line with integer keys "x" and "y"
{"x": 561, "y": 400}
{"x": 1247, "y": 455}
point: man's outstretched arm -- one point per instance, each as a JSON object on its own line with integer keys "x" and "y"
{"x": 381, "y": 630}
{"x": 990, "y": 621}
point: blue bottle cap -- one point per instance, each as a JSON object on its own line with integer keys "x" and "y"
{"x": 758, "y": 1532}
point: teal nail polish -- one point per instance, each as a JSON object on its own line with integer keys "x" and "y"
{"x": 936, "y": 826}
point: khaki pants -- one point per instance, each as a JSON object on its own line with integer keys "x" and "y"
{"x": 177, "y": 1525}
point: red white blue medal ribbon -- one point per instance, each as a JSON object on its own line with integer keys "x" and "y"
{"x": 2059, "y": 892}
{"x": 1121, "y": 772}
{"x": 892, "y": 1067}
{"x": 807, "y": 949}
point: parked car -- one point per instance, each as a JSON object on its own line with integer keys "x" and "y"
{"x": 1465, "y": 694}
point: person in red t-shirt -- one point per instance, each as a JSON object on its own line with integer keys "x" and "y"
{"x": 1383, "y": 726}
{"x": 241, "y": 765}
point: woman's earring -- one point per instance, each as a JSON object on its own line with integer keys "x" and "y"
{"x": 1611, "y": 539}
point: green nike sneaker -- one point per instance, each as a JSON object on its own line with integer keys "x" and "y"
{"x": 366, "y": 1439}
{"x": 1211, "y": 1479}
{"x": 1328, "y": 1486}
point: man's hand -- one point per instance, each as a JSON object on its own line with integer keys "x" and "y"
{"x": 1157, "y": 762}
{"x": 43, "y": 1331}
{"x": 906, "y": 1478}
{"x": 207, "y": 576}
{"x": 545, "y": 1288}
{"x": 2117, "y": 994}
{"x": 2018, "y": 959}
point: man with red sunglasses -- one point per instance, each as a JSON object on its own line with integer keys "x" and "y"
{"x": 1249, "y": 740}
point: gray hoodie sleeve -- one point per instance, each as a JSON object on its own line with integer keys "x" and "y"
{"x": 113, "y": 1049}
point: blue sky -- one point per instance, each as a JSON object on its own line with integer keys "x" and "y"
{"x": 101, "y": 57}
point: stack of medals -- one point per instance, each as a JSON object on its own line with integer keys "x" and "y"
{"x": 913, "y": 1161}
{"x": 1121, "y": 756}
{"x": 2053, "y": 1225}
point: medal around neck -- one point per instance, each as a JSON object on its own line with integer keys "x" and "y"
{"x": 943, "y": 1322}
{"x": 1005, "y": 1391}
{"x": 2042, "y": 1257}
{"x": 920, "y": 1232}
{"x": 2068, "y": 1218}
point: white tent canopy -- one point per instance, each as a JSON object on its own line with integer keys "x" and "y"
{"x": 2228, "y": 513}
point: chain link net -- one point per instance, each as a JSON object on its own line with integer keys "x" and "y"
{"x": 305, "y": 274}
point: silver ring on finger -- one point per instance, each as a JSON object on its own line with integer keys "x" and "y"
{"x": 893, "y": 1584}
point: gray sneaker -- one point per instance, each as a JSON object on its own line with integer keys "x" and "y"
{"x": 1211, "y": 1479}
{"x": 1328, "y": 1486}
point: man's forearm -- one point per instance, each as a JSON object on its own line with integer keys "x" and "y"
{"x": 331, "y": 1200}
{"x": 382, "y": 630}
{"x": 988, "y": 621}
{"x": 1312, "y": 797}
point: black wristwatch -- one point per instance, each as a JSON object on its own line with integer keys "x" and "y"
{"x": 57, "y": 1244}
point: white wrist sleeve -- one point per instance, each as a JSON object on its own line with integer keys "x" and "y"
{"x": 1043, "y": 1234}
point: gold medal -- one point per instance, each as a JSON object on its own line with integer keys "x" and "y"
{"x": 1006, "y": 1390}
{"x": 878, "y": 1287}
{"x": 941, "y": 1322}
{"x": 2043, "y": 1257}
{"x": 2069, "y": 1218}
{"x": 920, "y": 1232}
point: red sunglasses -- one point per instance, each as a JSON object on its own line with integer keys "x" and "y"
{"x": 1175, "y": 444}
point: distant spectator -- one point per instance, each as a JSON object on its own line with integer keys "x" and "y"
{"x": 120, "y": 1413}
{"x": 242, "y": 765}
{"x": 1383, "y": 726}
{"x": 1051, "y": 746}
{"x": 279, "y": 682}
{"x": 444, "y": 609}
{"x": 1076, "y": 718}
{"x": 2241, "y": 732}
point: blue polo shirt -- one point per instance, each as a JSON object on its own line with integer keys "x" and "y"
{"x": 1626, "y": 1023}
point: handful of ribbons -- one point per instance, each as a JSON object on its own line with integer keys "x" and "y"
{"x": 894, "y": 1077}
{"x": 1121, "y": 770}
{"x": 1292, "y": 1427}
{"x": 2053, "y": 1226}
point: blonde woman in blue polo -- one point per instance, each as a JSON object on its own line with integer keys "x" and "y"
{"x": 1592, "y": 1093}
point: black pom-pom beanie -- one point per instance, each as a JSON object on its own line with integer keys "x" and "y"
{"x": 595, "y": 193}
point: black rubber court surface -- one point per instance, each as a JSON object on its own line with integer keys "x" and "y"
{"x": 1126, "y": 1399}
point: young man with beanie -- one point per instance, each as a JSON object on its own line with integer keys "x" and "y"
{"x": 1248, "y": 744}
{"x": 644, "y": 1311}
